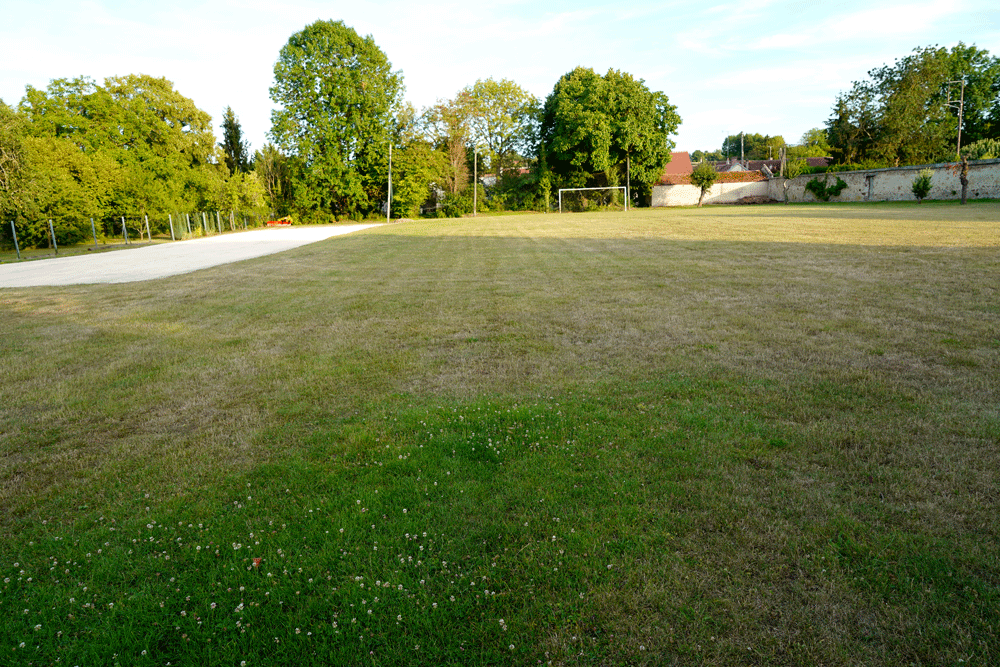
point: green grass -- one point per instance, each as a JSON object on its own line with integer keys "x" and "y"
{"x": 727, "y": 436}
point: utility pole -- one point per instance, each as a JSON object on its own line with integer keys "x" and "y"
{"x": 961, "y": 108}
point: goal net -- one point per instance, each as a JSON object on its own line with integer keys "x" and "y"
{"x": 590, "y": 199}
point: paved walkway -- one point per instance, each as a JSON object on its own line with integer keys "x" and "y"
{"x": 165, "y": 259}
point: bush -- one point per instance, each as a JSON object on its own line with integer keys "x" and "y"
{"x": 922, "y": 184}
{"x": 822, "y": 191}
{"x": 704, "y": 176}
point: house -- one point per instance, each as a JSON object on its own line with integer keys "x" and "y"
{"x": 680, "y": 163}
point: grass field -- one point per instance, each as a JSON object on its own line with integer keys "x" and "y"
{"x": 722, "y": 436}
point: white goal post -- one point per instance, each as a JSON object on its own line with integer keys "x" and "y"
{"x": 610, "y": 187}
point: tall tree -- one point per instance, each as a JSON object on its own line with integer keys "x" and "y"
{"x": 907, "y": 112}
{"x": 595, "y": 127}
{"x": 13, "y": 129}
{"x": 503, "y": 119}
{"x": 159, "y": 142}
{"x": 233, "y": 145}
{"x": 448, "y": 127}
{"x": 337, "y": 93}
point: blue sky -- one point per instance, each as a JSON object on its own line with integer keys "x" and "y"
{"x": 766, "y": 66}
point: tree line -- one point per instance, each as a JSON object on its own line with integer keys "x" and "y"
{"x": 134, "y": 146}
{"x": 919, "y": 110}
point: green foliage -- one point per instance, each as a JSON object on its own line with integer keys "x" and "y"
{"x": 416, "y": 169}
{"x": 984, "y": 149}
{"x": 753, "y": 146}
{"x": 814, "y": 143}
{"x": 901, "y": 114}
{"x": 503, "y": 117}
{"x": 272, "y": 170}
{"x": 866, "y": 165}
{"x": 130, "y": 147}
{"x": 704, "y": 176}
{"x": 822, "y": 191}
{"x": 448, "y": 126}
{"x": 922, "y": 184}
{"x": 711, "y": 156}
{"x": 13, "y": 129}
{"x": 795, "y": 167}
{"x": 595, "y": 127}
{"x": 233, "y": 144}
{"x": 461, "y": 203}
{"x": 336, "y": 92}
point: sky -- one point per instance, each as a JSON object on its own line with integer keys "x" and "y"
{"x": 767, "y": 66}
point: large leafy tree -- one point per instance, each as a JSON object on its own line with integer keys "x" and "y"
{"x": 13, "y": 130}
{"x": 337, "y": 94}
{"x": 233, "y": 145}
{"x": 906, "y": 113}
{"x": 594, "y": 128}
{"x": 448, "y": 127}
{"x": 158, "y": 137}
{"x": 503, "y": 119}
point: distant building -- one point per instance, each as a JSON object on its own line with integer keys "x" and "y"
{"x": 732, "y": 164}
{"x": 680, "y": 163}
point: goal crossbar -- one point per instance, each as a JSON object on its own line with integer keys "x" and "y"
{"x": 607, "y": 187}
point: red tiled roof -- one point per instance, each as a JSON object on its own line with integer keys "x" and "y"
{"x": 724, "y": 177}
{"x": 680, "y": 163}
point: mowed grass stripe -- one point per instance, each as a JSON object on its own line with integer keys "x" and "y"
{"x": 726, "y": 436}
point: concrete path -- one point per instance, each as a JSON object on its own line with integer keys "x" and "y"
{"x": 165, "y": 259}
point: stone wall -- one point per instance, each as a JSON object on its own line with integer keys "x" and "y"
{"x": 873, "y": 185}
{"x": 720, "y": 193}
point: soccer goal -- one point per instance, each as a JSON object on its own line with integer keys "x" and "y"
{"x": 581, "y": 201}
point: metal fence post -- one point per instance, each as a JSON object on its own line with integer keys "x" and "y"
{"x": 204, "y": 225}
{"x": 16, "y": 246}
{"x": 170, "y": 219}
{"x": 188, "y": 218}
{"x": 93, "y": 230}
{"x": 53, "y": 232}
{"x": 124, "y": 230}
{"x": 149, "y": 237}
{"x": 218, "y": 221}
